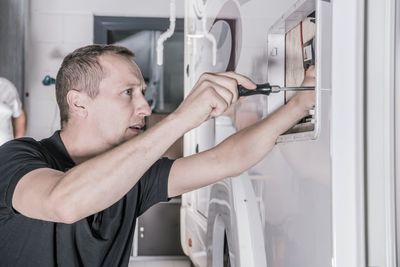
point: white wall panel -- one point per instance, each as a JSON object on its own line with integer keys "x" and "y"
{"x": 46, "y": 27}
{"x": 265, "y": 9}
{"x": 78, "y": 28}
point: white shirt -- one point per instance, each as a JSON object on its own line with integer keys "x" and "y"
{"x": 10, "y": 107}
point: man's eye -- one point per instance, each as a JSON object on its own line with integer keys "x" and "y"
{"x": 129, "y": 91}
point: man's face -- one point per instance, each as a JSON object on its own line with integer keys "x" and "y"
{"x": 118, "y": 112}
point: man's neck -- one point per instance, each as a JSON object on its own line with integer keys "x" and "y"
{"x": 79, "y": 146}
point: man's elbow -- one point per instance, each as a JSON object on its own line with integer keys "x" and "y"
{"x": 174, "y": 190}
{"x": 65, "y": 211}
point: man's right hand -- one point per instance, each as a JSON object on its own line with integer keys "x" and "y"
{"x": 211, "y": 96}
{"x": 306, "y": 99}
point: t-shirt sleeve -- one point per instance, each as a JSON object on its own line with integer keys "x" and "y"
{"x": 17, "y": 158}
{"x": 153, "y": 186}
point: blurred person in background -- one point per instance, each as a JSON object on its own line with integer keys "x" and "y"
{"x": 12, "y": 116}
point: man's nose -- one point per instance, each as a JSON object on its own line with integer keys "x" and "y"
{"x": 142, "y": 107}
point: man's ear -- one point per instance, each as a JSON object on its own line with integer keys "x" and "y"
{"x": 77, "y": 103}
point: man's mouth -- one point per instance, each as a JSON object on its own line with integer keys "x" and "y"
{"x": 137, "y": 128}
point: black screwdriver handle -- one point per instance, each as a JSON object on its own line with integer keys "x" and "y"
{"x": 261, "y": 89}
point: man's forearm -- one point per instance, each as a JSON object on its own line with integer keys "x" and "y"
{"x": 248, "y": 146}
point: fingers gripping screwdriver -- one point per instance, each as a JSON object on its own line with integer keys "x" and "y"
{"x": 267, "y": 89}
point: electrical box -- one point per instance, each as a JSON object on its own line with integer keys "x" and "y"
{"x": 299, "y": 39}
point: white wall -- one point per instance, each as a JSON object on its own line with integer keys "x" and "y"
{"x": 257, "y": 17}
{"x": 57, "y": 27}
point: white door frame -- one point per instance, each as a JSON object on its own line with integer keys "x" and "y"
{"x": 347, "y": 147}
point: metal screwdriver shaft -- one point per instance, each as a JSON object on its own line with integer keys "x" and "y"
{"x": 267, "y": 89}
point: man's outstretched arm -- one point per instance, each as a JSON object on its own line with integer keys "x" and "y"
{"x": 241, "y": 150}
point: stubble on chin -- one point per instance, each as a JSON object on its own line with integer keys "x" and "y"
{"x": 127, "y": 137}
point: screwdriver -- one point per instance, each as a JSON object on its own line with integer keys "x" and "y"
{"x": 267, "y": 89}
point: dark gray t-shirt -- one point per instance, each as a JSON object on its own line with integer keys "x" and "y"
{"x": 103, "y": 239}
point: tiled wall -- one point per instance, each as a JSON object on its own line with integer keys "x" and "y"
{"x": 57, "y": 27}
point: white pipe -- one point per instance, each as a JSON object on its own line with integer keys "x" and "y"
{"x": 211, "y": 38}
{"x": 199, "y": 8}
{"x": 208, "y": 36}
{"x": 166, "y": 34}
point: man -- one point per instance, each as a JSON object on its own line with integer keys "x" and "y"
{"x": 12, "y": 117}
{"x": 72, "y": 199}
